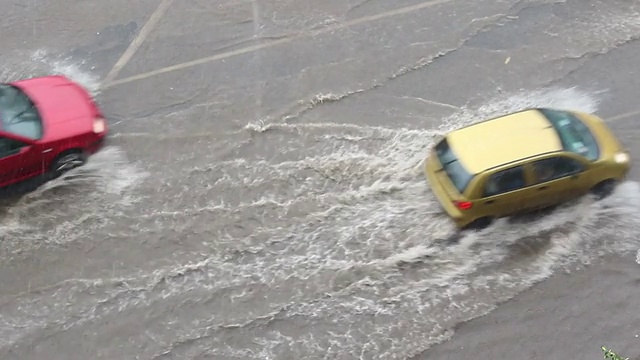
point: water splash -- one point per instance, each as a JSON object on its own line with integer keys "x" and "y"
{"x": 18, "y": 66}
{"x": 105, "y": 183}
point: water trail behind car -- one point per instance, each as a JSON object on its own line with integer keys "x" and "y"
{"x": 69, "y": 207}
{"x": 339, "y": 219}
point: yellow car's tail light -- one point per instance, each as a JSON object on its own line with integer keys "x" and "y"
{"x": 463, "y": 205}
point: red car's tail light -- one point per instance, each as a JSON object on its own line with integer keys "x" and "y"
{"x": 463, "y": 205}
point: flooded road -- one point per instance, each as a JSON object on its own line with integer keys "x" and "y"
{"x": 261, "y": 196}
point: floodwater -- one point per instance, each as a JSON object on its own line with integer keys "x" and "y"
{"x": 269, "y": 203}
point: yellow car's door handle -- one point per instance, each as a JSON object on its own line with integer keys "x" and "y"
{"x": 543, "y": 188}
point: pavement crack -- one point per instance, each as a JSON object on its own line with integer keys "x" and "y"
{"x": 357, "y": 6}
{"x": 321, "y": 99}
{"x": 527, "y": 5}
{"x": 605, "y": 51}
{"x": 588, "y": 56}
{"x": 168, "y": 109}
{"x": 235, "y": 44}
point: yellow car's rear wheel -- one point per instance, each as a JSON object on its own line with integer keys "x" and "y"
{"x": 479, "y": 224}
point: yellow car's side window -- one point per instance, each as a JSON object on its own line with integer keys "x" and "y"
{"x": 555, "y": 168}
{"x": 505, "y": 181}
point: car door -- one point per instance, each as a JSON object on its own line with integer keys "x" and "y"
{"x": 557, "y": 179}
{"x": 17, "y": 159}
{"x": 503, "y": 192}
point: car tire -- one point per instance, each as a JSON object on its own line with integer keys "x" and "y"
{"x": 66, "y": 161}
{"x": 604, "y": 188}
{"x": 479, "y": 224}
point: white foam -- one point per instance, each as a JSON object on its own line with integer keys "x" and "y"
{"x": 93, "y": 191}
{"x": 114, "y": 169}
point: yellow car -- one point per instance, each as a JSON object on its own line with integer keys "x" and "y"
{"x": 524, "y": 161}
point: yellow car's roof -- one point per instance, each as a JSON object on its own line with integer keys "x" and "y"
{"x": 501, "y": 140}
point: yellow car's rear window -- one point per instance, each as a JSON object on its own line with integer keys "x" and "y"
{"x": 458, "y": 175}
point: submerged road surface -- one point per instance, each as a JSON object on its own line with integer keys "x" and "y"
{"x": 262, "y": 197}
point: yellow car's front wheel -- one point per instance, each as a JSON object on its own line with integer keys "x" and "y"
{"x": 604, "y": 188}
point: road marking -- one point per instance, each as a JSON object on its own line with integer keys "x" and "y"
{"x": 401, "y": 11}
{"x": 624, "y": 116}
{"x": 138, "y": 40}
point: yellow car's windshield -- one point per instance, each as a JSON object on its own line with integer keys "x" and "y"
{"x": 573, "y": 133}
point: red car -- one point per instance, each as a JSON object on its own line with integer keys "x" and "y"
{"x": 48, "y": 125}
